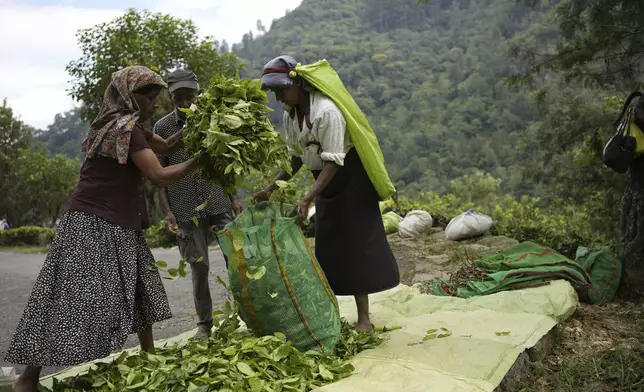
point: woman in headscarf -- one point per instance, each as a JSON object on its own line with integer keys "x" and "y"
{"x": 350, "y": 241}
{"x": 98, "y": 284}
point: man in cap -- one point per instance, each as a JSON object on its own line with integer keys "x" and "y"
{"x": 181, "y": 199}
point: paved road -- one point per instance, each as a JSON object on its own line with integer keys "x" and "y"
{"x": 18, "y": 273}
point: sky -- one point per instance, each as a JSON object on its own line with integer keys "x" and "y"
{"x": 37, "y": 41}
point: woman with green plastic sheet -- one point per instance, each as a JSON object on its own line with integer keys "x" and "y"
{"x": 326, "y": 131}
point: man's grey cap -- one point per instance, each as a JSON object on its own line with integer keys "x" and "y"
{"x": 182, "y": 78}
{"x": 279, "y": 79}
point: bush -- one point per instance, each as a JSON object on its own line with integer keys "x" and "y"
{"x": 27, "y": 235}
{"x": 157, "y": 236}
{"x": 561, "y": 227}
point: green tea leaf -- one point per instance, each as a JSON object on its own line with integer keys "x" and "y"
{"x": 232, "y": 122}
{"x": 182, "y": 268}
{"x": 281, "y": 184}
{"x": 140, "y": 385}
{"x": 98, "y": 383}
{"x": 327, "y": 375}
{"x": 161, "y": 264}
{"x": 256, "y": 273}
{"x": 193, "y": 388}
{"x": 245, "y": 369}
{"x": 256, "y": 384}
{"x": 229, "y": 168}
{"x": 503, "y": 333}
{"x": 238, "y": 239}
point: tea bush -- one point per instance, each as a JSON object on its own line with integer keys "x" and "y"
{"x": 27, "y": 235}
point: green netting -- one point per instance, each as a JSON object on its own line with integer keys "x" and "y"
{"x": 276, "y": 280}
{"x": 605, "y": 270}
{"x": 524, "y": 265}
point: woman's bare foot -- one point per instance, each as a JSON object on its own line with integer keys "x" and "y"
{"x": 146, "y": 339}
{"x": 364, "y": 327}
{"x": 26, "y": 383}
{"x": 28, "y": 380}
{"x": 364, "y": 321}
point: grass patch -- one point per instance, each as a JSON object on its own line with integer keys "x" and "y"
{"x": 601, "y": 350}
{"x": 27, "y": 249}
{"x": 461, "y": 255}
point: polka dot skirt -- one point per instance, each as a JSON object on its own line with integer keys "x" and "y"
{"x": 95, "y": 288}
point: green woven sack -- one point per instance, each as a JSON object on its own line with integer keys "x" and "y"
{"x": 277, "y": 281}
{"x": 605, "y": 270}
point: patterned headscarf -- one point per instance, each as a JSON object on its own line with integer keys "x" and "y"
{"x": 109, "y": 134}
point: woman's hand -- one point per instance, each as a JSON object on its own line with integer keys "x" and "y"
{"x": 171, "y": 223}
{"x": 149, "y": 165}
{"x": 236, "y": 205}
{"x": 263, "y": 195}
{"x": 303, "y": 208}
{"x": 166, "y": 147}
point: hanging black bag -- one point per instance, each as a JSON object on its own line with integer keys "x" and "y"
{"x": 619, "y": 152}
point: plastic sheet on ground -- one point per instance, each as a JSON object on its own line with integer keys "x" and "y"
{"x": 473, "y": 358}
{"x": 7, "y": 378}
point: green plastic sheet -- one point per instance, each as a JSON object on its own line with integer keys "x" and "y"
{"x": 524, "y": 265}
{"x": 323, "y": 77}
{"x": 605, "y": 270}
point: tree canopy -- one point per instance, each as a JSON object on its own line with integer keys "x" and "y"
{"x": 598, "y": 40}
{"x": 33, "y": 186}
{"x": 158, "y": 41}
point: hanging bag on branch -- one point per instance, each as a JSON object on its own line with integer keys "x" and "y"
{"x": 627, "y": 142}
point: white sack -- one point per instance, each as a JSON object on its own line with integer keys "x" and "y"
{"x": 467, "y": 225}
{"x": 415, "y": 224}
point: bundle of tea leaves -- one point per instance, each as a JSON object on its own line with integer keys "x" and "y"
{"x": 228, "y": 126}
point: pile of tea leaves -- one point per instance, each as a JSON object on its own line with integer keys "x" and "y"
{"x": 228, "y": 128}
{"x": 232, "y": 360}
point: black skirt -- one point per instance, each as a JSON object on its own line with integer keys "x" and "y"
{"x": 632, "y": 233}
{"x": 350, "y": 241}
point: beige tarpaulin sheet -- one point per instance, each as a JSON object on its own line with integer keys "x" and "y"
{"x": 473, "y": 358}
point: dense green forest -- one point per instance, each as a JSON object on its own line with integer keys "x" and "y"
{"x": 431, "y": 78}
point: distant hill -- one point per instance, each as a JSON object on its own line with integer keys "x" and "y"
{"x": 430, "y": 77}
{"x": 65, "y": 135}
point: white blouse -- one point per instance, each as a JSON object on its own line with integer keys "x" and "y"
{"x": 326, "y": 140}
